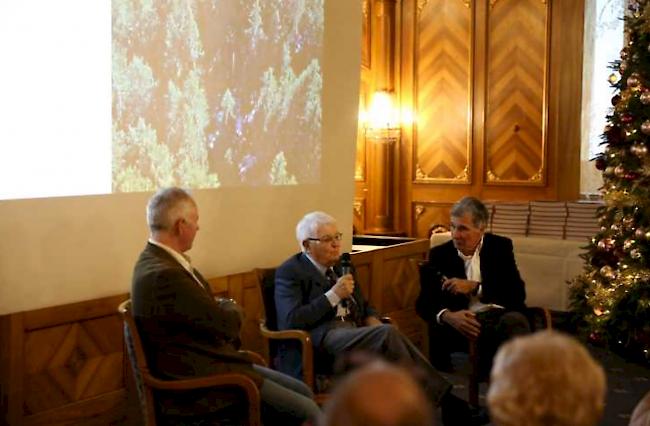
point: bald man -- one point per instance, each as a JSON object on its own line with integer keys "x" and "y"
{"x": 378, "y": 394}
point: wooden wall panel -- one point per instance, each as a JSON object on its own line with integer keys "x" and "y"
{"x": 359, "y": 214}
{"x": 66, "y": 365}
{"x": 427, "y": 214}
{"x": 443, "y": 57}
{"x": 516, "y": 91}
{"x": 524, "y": 103}
{"x": 72, "y": 362}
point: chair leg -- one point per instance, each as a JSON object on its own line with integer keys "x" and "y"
{"x": 473, "y": 374}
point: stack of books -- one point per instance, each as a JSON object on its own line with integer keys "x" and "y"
{"x": 510, "y": 218}
{"x": 490, "y": 208}
{"x": 582, "y": 222}
{"x": 547, "y": 219}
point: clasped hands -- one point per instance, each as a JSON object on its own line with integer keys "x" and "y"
{"x": 464, "y": 320}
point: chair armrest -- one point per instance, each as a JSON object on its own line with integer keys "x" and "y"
{"x": 543, "y": 314}
{"x": 305, "y": 342}
{"x": 254, "y": 357}
{"x": 227, "y": 379}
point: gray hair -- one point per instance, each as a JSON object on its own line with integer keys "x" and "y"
{"x": 309, "y": 224}
{"x": 167, "y": 206}
{"x": 474, "y": 207}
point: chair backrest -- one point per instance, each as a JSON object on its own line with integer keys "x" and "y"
{"x": 267, "y": 287}
{"x": 138, "y": 363}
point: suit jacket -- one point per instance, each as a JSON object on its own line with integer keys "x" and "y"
{"x": 185, "y": 331}
{"x": 300, "y": 300}
{"x": 500, "y": 279}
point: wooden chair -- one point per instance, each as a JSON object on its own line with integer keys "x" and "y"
{"x": 270, "y": 332}
{"x": 146, "y": 383}
{"x": 539, "y": 318}
{"x": 319, "y": 381}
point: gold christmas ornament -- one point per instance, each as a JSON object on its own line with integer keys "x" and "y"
{"x": 619, "y": 171}
{"x": 645, "y": 127}
{"x": 634, "y": 80}
{"x": 608, "y": 272}
{"x": 645, "y": 98}
{"x": 613, "y": 78}
{"x": 639, "y": 233}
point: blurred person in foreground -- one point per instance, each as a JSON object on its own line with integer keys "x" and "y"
{"x": 641, "y": 413}
{"x": 377, "y": 394}
{"x": 545, "y": 379}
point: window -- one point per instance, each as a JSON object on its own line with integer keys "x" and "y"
{"x": 603, "y": 41}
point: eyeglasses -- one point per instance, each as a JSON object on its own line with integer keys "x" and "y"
{"x": 327, "y": 239}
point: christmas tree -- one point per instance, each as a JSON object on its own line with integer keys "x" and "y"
{"x": 612, "y": 297}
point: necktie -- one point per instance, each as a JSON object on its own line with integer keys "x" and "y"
{"x": 331, "y": 277}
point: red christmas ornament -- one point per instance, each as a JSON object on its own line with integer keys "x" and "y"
{"x": 616, "y": 99}
{"x": 627, "y": 118}
{"x": 600, "y": 163}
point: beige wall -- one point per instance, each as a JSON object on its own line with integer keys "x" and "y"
{"x": 62, "y": 250}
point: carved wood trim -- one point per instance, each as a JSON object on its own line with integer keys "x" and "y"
{"x": 366, "y": 34}
{"x": 422, "y": 4}
{"x": 421, "y": 177}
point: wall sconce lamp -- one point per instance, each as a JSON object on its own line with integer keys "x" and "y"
{"x": 382, "y": 121}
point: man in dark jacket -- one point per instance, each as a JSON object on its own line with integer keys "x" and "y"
{"x": 471, "y": 289}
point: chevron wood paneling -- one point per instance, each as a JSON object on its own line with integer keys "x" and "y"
{"x": 443, "y": 75}
{"x": 516, "y": 91}
{"x": 401, "y": 283}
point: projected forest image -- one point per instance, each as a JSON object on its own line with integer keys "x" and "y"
{"x": 216, "y": 92}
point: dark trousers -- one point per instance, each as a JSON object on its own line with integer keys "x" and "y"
{"x": 386, "y": 341}
{"x": 497, "y": 326}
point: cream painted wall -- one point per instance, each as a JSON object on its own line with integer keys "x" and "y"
{"x": 62, "y": 250}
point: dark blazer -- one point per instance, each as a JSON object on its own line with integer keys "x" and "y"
{"x": 500, "y": 279}
{"x": 185, "y": 331}
{"x": 300, "y": 300}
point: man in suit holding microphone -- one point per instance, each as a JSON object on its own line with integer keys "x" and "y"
{"x": 315, "y": 291}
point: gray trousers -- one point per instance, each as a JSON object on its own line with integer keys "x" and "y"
{"x": 387, "y": 341}
{"x": 285, "y": 400}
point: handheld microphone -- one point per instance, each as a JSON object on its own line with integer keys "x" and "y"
{"x": 346, "y": 264}
{"x": 346, "y": 268}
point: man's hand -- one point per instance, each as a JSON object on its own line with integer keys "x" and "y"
{"x": 459, "y": 286}
{"x": 344, "y": 286}
{"x": 464, "y": 321}
{"x": 372, "y": 320}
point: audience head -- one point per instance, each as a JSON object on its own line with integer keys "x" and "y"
{"x": 318, "y": 236}
{"x": 378, "y": 394}
{"x": 173, "y": 218}
{"x": 469, "y": 218}
{"x": 641, "y": 414}
{"x": 546, "y": 378}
